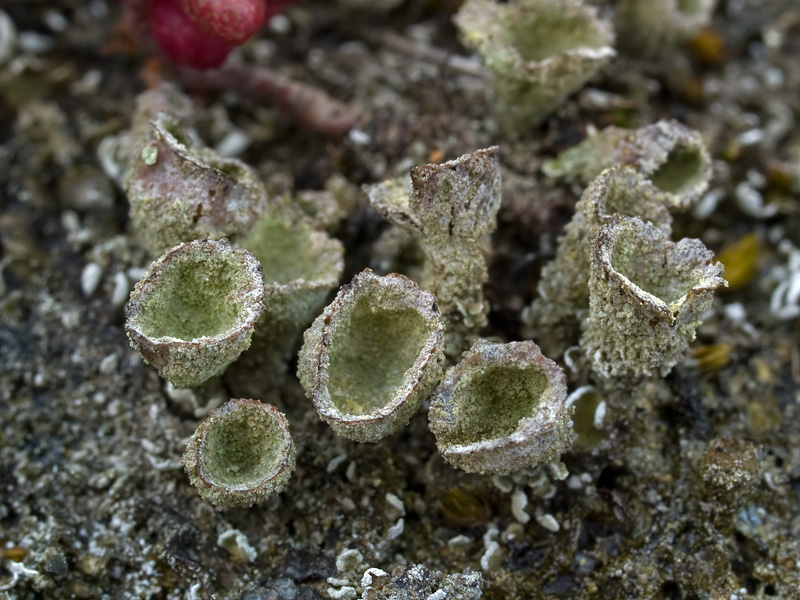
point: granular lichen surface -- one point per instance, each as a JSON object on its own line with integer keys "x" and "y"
{"x": 687, "y": 487}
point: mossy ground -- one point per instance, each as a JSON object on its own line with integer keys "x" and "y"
{"x": 93, "y": 498}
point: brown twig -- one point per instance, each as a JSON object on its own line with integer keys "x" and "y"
{"x": 454, "y": 62}
{"x": 307, "y": 106}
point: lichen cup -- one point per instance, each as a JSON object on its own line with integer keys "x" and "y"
{"x": 301, "y": 266}
{"x": 501, "y": 409}
{"x": 179, "y": 190}
{"x": 647, "y": 297}
{"x": 373, "y": 356}
{"x": 539, "y": 52}
{"x": 241, "y": 454}
{"x": 193, "y": 312}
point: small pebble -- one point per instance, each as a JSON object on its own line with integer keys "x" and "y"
{"x": 549, "y": 522}
{"x": 518, "y": 503}
{"x": 90, "y": 278}
{"x": 108, "y": 365}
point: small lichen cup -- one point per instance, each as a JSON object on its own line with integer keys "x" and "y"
{"x": 241, "y": 454}
{"x": 501, "y": 409}
{"x": 647, "y": 297}
{"x": 539, "y": 52}
{"x": 374, "y": 354}
{"x": 193, "y": 312}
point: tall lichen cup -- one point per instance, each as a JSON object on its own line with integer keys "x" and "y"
{"x": 501, "y": 409}
{"x": 656, "y": 169}
{"x": 193, "y": 312}
{"x": 539, "y": 53}
{"x": 373, "y": 356}
{"x": 647, "y": 297}
{"x": 240, "y": 454}
{"x": 451, "y": 208}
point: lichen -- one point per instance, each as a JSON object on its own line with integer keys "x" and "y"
{"x": 301, "y": 266}
{"x": 193, "y": 312}
{"x": 452, "y": 209}
{"x": 373, "y": 355}
{"x": 539, "y": 52}
{"x": 647, "y": 297}
{"x": 500, "y": 409}
{"x": 654, "y": 170}
{"x": 180, "y": 191}
{"x": 241, "y": 454}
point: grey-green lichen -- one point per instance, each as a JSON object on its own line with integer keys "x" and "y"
{"x": 240, "y": 454}
{"x": 373, "y": 356}
{"x": 452, "y": 209}
{"x": 193, "y": 312}
{"x": 647, "y": 296}
{"x": 539, "y": 52}
{"x": 650, "y": 28}
{"x": 648, "y": 172}
{"x": 668, "y": 154}
{"x": 501, "y": 409}
{"x": 180, "y": 191}
{"x": 301, "y": 266}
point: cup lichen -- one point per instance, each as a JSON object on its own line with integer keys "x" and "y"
{"x": 647, "y": 296}
{"x": 373, "y": 356}
{"x": 539, "y": 53}
{"x": 452, "y": 210}
{"x": 180, "y": 191}
{"x": 501, "y": 409}
{"x": 301, "y": 266}
{"x": 194, "y": 311}
{"x": 667, "y": 153}
{"x": 656, "y": 169}
{"x": 241, "y": 454}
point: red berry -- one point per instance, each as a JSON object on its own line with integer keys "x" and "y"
{"x": 182, "y": 40}
{"x": 232, "y": 21}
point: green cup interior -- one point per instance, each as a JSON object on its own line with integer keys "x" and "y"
{"x": 371, "y": 350}
{"x": 642, "y": 256}
{"x": 550, "y": 30}
{"x": 243, "y": 447}
{"x": 491, "y": 402}
{"x": 288, "y": 251}
{"x": 683, "y": 169}
{"x": 191, "y": 298}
